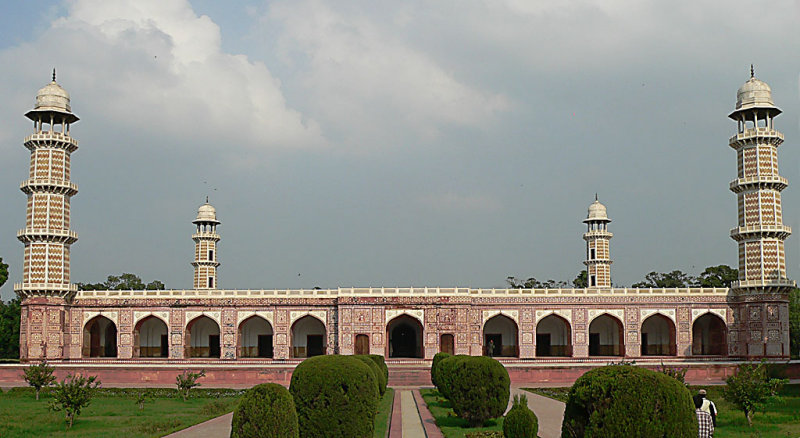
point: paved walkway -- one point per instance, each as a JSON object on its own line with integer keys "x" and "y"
{"x": 549, "y": 412}
{"x": 412, "y": 425}
{"x": 219, "y": 427}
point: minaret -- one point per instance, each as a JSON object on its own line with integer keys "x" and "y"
{"x": 598, "y": 262}
{"x": 762, "y": 289}
{"x": 761, "y": 232}
{"x": 47, "y": 236}
{"x": 205, "y": 248}
{"x": 45, "y": 289}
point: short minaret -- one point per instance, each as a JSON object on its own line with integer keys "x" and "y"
{"x": 760, "y": 232}
{"x": 47, "y": 237}
{"x": 205, "y": 248}
{"x": 598, "y": 262}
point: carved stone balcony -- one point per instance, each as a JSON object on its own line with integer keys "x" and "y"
{"x": 760, "y": 230}
{"x": 28, "y": 235}
{"x": 61, "y": 186}
{"x": 774, "y": 182}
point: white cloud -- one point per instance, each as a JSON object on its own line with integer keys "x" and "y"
{"x": 156, "y": 66}
{"x": 370, "y": 84}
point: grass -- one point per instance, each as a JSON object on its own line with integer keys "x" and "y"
{"x": 450, "y": 425}
{"x": 111, "y": 413}
{"x": 382, "y": 418}
{"x": 781, "y": 419}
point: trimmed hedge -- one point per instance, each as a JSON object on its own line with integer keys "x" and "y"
{"x": 445, "y": 374}
{"x": 265, "y": 411}
{"x": 335, "y": 396}
{"x": 378, "y": 359}
{"x": 437, "y": 360}
{"x": 380, "y": 378}
{"x": 478, "y": 387}
{"x": 624, "y": 400}
{"x": 520, "y": 421}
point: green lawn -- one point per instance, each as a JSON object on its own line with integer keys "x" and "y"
{"x": 111, "y": 413}
{"x": 782, "y": 418}
{"x": 384, "y": 411}
{"x": 450, "y": 425}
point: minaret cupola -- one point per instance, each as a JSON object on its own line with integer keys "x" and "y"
{"x": 597, "y": 236}
{"x": 205, "y": 242}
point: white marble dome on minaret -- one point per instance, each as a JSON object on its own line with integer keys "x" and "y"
{"x": 205, "y": 248}
{"x": 597, "y": 236}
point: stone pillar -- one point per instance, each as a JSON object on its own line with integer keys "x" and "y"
{"x": 580, "y": 336}
{"x": 527, "y": 335}
{"x": 176, "y": 330}
{"x": 633, "y": 342}
{"x": 378, "y": 339}
{"x": 683, "y": 332}
{"x": 125, "y": 334}
{"x": 228, "y": 332}
{"x": 332, "y": 330}
{"x": 282, "y": 335}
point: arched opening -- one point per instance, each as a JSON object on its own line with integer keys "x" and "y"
{"x": 362, "y": 344}
{"x": 255, "y": 337}
{"x": 447, "y": 344}
{"x": 658, "y": 336}
{"x": 308, "y": 337}
{"x": 100, "y": 338}
{"x": 553, "y": 337}
{"x": 405, "y": 337}
{"x": 500, "y": 337}
{"x": 709, "y": 335}
{"x": 202, "y": 338}
{"x": 606, "y": 336}
{"x": 150, "y": 338}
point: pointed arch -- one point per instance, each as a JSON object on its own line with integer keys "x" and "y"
{"x": 308, "y": 336}
{"x": 501, "y": 336}
{"x": 606, "y": 336}
{"x": 553, "y": 336}
{"x": 709, "y": 335}
{"x": 658, "y": 336}
{"x": 202, "y": 338}
{"x": 99, "y": 337}
{"x": 255, "y": 337}
{"x": 404, "y": 334}
{"x": 150, "y": 337}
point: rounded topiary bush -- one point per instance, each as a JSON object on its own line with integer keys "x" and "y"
{"x": 335, "y": 396}
{"x": 378, "y": 359}
{"x": 380, "y": 378}
{"x": 520, "y": 421}
{"x": 437, "y": 360}
{"x": 624, "y": 400}
{"x": 445, "y": 373}
{"x": 265, "y": 410}
{"x": 477, "y": 386}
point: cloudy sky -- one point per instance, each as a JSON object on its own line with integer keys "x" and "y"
{"x": 363, "y": 143}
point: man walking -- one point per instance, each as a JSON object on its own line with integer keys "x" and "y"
{"x": 704, "y": 421}
{"x": 708, "y": 406}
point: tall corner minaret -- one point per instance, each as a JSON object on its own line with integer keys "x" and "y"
{"x": 46, "y": 290}
{"x": 598, "y": 261}
{"x": 205, "y": 248}
{"x": 760, "y": 233}
{"x": 46, "y": 235}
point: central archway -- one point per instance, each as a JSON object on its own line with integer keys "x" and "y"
{"x": 658, "y": 336}
{"x": 500, "y": 337}
{"x": 255, "y": 338}
{"x": 202, "y": 338}
{"x": 553, "y": 337}
{"x": 606, "y": 336}
{"x": 308, "y": 337}
{"x": 708, "y": 336}
{"x": 150, "y": 338}
{"x": 405, "y": 337}
{"x": 100, "y": 338}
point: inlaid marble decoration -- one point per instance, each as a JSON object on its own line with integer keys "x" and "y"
{"x": 419, "y": 314}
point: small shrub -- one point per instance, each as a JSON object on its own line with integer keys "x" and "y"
{"x": 478, "y": 388}
{"x": 39, "y": 376}
{"x": 678, "y": 374}
{"x": 380, "y": 378}
{"x": 624, "y": 400}
{"x": 186, "y": 381}
{"x": 520, "y": 421}
{"x": 140, "y": 399}
{"x": 750, "y": 387}
{"x": 335, "y": 396}
{"x": 266, "y": 410}
{"x": 437, "y": 360}
{"x": 484, "y": 434}
{"x": 72, "y": 394}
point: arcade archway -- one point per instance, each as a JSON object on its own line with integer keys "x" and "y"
{"x": 150, "y": 338}
{"x": 405, "y": 337}
{"x": 255, "y": 338}
{"x": 606, "y": 336}
{"x": 500, "y": 337}
{"x": 658, "y": 336}
{"x": 99, "y": 338}
{"x": 308, "y": 337}
{"x": 202, "y": 338}
{"x": 553, "y": 337}
{"x": 709, "y": 335}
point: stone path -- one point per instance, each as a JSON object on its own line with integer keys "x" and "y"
{"x": 219, "y": 427}
{"x": 412, "y": 425}
{"x": 549, "y": 412}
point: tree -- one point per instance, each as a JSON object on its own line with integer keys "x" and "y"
{"x": 39, "y": 376}
{"x": 750, "y": 388}
{"x": 187, "y": 381}
{"x": 72, "y": 394}
{"x": 794, "y": 323}
{"x": 582, "y": 280}
{"x": 3, "y": 272}
{"x": 532, "y": 283}
{"x": 9, "y": 329}
{"x": 660, "y": 280}
{"x": 123, "y": 281}
{"x": 718, "y": 276}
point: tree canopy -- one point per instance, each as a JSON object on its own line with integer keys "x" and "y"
{"x": 712, "y": 276}
{"x": 3, "y": 272}
{"x": 123, "y": 281}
